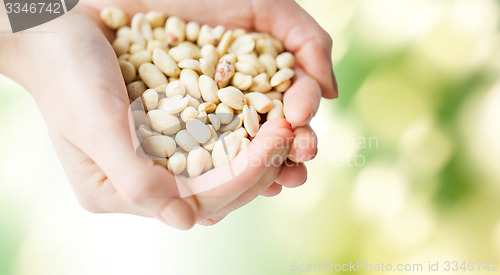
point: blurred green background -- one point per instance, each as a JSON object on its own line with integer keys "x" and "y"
{"x": 408, "y": 169}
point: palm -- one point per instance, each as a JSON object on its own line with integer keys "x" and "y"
{"x": 91, "y": 131}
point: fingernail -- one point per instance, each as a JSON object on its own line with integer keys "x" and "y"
{"x": 179, "y": 215}
{"x": 295, "y": 125}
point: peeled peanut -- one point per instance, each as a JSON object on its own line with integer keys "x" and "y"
{"x": 136, "y": 26}
{"x": 239, "y": 32}
{"x": 208, "y": 162}
{"x": 113, "y": 17}
{"x": 151, "y": 75}
{"x": 144, "y": 131}
{"x": 206, "y": 36}
{"x": 147, "y": 31}
{"x": 159, "y": 146}
{"x": 177, "y": 163}
{"x": 121, "y": 46}
{"x": 136, "y": 47}
{"x": 224, "y": 72}
{"x": 197, "y": 161}
{"x": 207, "y": 68}
{"x": 182, "y": 52}
{"x": 225, "y": 42}
{"x": 155, "y": 44}
{"x": 269, "y": 63}
{"x": 195, "y": 103}
{"x": 202, "y": 116}
{"x": 150, "y": 99}
{"x": 136, "y": 89}
{"x": 234, "y": 124}
{"x": 163, "y": 122}
{"x": 190, "y": 80}
{"x": 243, "y": 45}
{"x": 208, "y": 89}
{"x": 242, "y": 81}
{"x": 124, "y": 57}
{"x": 160, "y": 34}
{"x": 229, "y": 141}
{"x": 209, "y": 145}
{"x": 285, "y": 60}
{"x": 232, "y": 97}
{"x": 246, "y": 68}
{"x": 165, "y": 63}
{"x": 140, "y": 58}
{"x": 128, "y": 71}
{"x": 156, "y": 19}
{"x": 215, "y": 121}
{"x": 199, "y": 75}
{"x": 218, "y": 32}
{"x": 189, "y": 113}
{"x": 276, "y": 111}
{"x": 282, "y": 76}
{"x": 241, "y": 132}
{"x": 244, "y": 142}
{"x": 207, "y": 107}
{"x": 251, "y": 120}
{"x": 265, "y": 44}
{"x": 195, "y": 50}
{"x": 230, "y": 57}
{"x": 186, "y": 141}
{"x": 175, "y": 88}
{"x": 161, "y": 90}
{"x": 192, "y": 64}
{"x": 209, "y": 53}
{"x": 125, "y": 32}
{"x": 283, "y": 87}
{"x": 275, "y": 95}
{"x": 225, "y": 113}
{"x": 175, "y": 28}
{"x": 192, "y": 31}
{"x": 175, "y": 104}
{"x": 198, "y": 130}
{"x": 261, "y": 84}
{"x": 260, "y": 102}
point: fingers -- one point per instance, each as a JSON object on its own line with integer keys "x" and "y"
{"x": 292, "y": 174}
{"x": 98, "y": 124}
{"x": 273, "y": 190}
{"x": 264, "y": 183}
{"x": 301, "y": 35}
{"x": 301, "y": 101}
{"x": 266, "y": 152}
{"x": 236, "y": 15}
{"x": 305, "y": 145}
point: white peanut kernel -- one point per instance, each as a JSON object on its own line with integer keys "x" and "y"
{"x": 208, "y": 87}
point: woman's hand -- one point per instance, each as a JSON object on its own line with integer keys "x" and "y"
{"x": 72, "y": 72}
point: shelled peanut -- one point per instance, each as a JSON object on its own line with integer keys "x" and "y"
{"x": 198, "y": 93}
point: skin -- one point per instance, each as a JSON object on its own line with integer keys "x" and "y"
{"x": 86, "y": 109}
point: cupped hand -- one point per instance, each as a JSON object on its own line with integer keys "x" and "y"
{"x": 72, "y": 72}
{"x": 300, "y": 34}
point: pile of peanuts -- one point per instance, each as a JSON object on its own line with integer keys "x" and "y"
{"x": 198, "y": 93}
